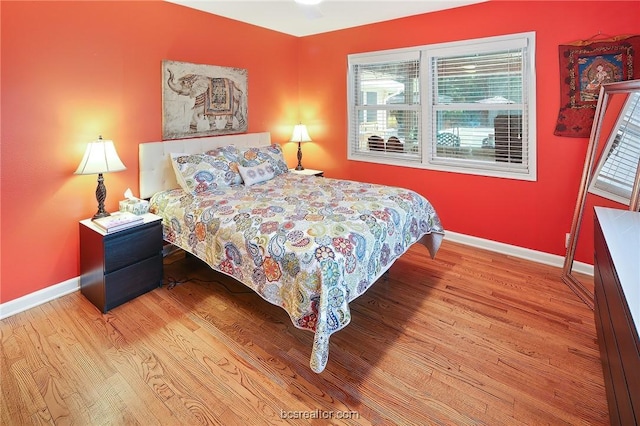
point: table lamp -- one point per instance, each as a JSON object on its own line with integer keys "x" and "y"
{"x": 300, "y": 135}
{"x": 100, "y": 157}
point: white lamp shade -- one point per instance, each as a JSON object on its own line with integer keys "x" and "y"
{"x": 300, "y": 134}
{"x": 100, "y": 157}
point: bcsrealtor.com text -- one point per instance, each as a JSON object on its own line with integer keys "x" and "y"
{"x": 319, "y": 414}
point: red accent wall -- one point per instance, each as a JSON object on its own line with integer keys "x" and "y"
{"x": 74, "y": 70}
{"x": 534, "y": 215}
{"x": 71, "y": 71}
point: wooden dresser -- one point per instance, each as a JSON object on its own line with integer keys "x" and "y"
{"x": 617, "y": 309}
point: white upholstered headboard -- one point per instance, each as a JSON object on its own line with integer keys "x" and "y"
{"x": 156, "y": 172}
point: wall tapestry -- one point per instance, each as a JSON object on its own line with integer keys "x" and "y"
{"x": 202, "y": 100}
{"x": 584, "y": 66}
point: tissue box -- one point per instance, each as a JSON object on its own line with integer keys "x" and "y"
{"x": 134, "y": 206}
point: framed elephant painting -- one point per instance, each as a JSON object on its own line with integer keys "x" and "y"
{"x": 202, "y": 100}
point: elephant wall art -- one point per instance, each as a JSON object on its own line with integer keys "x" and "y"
{"x": 202, "y": 100}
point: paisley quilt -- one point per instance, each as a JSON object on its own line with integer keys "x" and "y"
{"x": 307, "y": 244}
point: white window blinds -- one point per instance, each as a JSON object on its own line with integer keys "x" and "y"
{"x": 385, "y": 112}
{"x": 479, "y": 107}
{"x": 466, "y": 106}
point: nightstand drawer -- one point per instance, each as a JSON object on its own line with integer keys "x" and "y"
{"x": 146, "y": 238}
{"x": 132, "y": 281}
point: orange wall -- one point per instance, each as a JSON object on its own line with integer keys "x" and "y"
{"x": 533, "y": 215}
{"x": 74, "y": 70}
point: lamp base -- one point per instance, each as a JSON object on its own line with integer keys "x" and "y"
{"x": 98, "y": 215}
{"x": 299, "y": 166}
{"x": 101, "y": 195}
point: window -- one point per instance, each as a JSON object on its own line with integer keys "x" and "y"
{"x": 616, "y": 171}
{"x": 465, "y": 106}
{"x": 386, "y": 106}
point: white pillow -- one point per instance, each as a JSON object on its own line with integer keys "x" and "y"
{"x": 256, "y": 174}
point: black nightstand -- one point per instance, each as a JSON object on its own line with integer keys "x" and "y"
{"x": 122, "y": 265}
{"x": 308, "y": 172}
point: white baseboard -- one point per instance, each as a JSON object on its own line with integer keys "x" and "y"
{"x": 39, "y": 297}
{"x": 523, "y": 253}
{"x": 45, "y": 295}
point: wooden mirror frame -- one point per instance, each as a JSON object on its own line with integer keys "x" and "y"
{"x": 606, "y": 90}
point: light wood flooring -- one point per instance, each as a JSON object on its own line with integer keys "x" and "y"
{"x": 470, "y": 338}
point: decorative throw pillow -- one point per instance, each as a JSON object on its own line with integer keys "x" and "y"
{"x": 197, "y": 173}
{"x": 271, "y": 154}
{"x": 229, "y": 160}
{"x": 256, "y": 174}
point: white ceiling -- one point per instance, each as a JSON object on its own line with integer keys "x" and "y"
{"x": 288, "y": 17}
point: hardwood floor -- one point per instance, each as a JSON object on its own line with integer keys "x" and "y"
{"x": 469, "y": 338}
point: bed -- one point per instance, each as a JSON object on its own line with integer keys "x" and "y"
{"x": 307, "y": 244}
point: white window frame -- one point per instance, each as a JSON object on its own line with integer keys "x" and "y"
{"x": 389, "y": 56}
{"x": 426, "y": 133}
